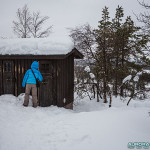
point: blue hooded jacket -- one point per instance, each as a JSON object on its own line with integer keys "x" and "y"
{"x": 29, "y": 77}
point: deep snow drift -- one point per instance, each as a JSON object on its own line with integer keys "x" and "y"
{"x": 90, "y": 126}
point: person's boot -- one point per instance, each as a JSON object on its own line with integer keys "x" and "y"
{"x": 25, "y": 105}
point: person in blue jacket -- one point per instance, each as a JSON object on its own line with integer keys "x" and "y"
{"x": 30, "y": 82}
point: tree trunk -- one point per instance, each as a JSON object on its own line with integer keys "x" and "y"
{"x": 105, "y": 97}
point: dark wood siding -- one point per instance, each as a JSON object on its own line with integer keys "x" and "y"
{"x": 59, "y": 83}
{"x": 65, "y": 81}
{"x": 8, "y": 77}
{"x": 57, "y": 87}
{"x": 70, "y": 81}
{"x": 54, "y": 82}
{"x": 16, "y": 77}
{"x": 20, "y": 68}
{"x": 20, "y": 75}
{"x": 1, "y": 78}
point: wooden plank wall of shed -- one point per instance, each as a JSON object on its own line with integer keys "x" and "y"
{"x": 1, "y": 78}
{"x": 65, "y": 81}
{"x": 21, "y": 66}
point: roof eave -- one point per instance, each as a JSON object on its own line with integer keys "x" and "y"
{"x": 76, "y": 54}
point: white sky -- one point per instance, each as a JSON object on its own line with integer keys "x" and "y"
{"x": 64, "y": 13}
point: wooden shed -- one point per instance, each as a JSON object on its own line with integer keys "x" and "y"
{"x": 56, "y": 64}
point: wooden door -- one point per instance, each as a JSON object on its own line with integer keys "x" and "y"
{"x": 46, "y": 94}
{"x": 8, "y": 77}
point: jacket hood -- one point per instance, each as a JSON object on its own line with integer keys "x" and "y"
{"x": 35, "y": 65}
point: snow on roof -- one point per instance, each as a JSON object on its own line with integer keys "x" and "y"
{"x": 36, "y": 46}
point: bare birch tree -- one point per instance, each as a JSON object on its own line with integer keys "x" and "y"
{"x": 21, "y": 26}
{"x": 30, "y": 25}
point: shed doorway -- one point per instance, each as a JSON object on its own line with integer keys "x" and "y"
{"x": 47, "y": 88}
{"x": 8, "y": 77}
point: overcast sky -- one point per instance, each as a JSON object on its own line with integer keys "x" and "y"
{"x": 64, "y": 13}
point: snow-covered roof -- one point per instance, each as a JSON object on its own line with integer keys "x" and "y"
{"x": 32, "y": 46}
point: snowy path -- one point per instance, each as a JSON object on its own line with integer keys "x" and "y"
{"x": 55, "y": 128}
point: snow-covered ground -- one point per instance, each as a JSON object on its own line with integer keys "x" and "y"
{"x": 90, "y": 126}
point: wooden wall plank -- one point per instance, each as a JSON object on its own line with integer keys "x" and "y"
{"x": 62, "y": 83}
{"x": 54, "y": 82}
{"x": 67, "y": 81}
{"x": 13, "y": 76}
{"x": 71, "y": 80}
{"x": 22, "y": 90}
{"x": 19, "y": 78}
{"x": 1, "y": 78}
{"x": 59, "y": 83}
{"x": 16, "y": 63}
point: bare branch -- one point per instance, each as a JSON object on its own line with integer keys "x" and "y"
{"x": 84, "y": 40}
{"x": 145, "y": 5}
{"x": 144, "y": 17}
{"x": 37, "y": 24}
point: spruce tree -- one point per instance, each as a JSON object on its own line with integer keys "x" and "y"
{"x": 103, "y": 36}
{"x": 117, "y": 30}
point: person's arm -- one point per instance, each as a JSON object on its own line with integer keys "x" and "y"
{"x": 40, "y": 77}
{"x": 25, "y": 79}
